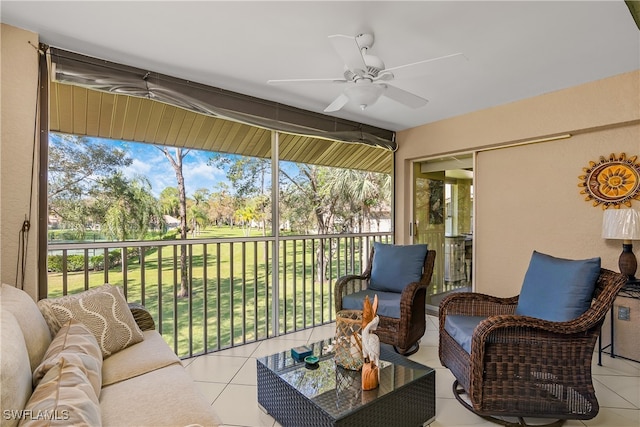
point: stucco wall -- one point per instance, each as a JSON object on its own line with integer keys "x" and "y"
{"x": 527, "y": 197}
{"x": 18, "y": 100}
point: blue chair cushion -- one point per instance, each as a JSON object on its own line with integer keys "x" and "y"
{"x": 461, "y": 328}
{"x": 388, "y": 302}
{"x": 395, "y": 266}
{"x": 557, "y": 289}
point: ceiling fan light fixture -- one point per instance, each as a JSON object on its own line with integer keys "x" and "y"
{"x": 365, "y": 73}
{"x": 364, "y": 94}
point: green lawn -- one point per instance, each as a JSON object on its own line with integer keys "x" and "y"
{"x": 236, "y": 284}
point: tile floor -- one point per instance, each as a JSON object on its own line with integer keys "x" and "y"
{"x": 228, "y": 380}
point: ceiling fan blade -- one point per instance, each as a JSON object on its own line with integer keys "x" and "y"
{"x": 337, "y": 103}
{"x": 404, "y": 97}
{"x": 349, "y": 51}
{"x": 304, "y": 81}
{"x": 439, "y": 65}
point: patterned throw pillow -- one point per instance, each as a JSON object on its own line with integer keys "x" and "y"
{"x": 77, "y": 345}
{"x": 103, "y": 310}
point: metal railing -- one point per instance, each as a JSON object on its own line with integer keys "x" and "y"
{"x": 238, "y": 292}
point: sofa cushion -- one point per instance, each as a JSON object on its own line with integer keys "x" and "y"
{"x": 65, "y": 396}
{"x": 77, "y": 345}
{"x": 36, "y": 333}
{"x": 103, "y": 310}
{"x": 395, "y": 266}
{"x": 146, "y": 356}
{"x": 557, "y": 289}
{"x": 15, "y": 371}
{"x": 388, "y": 302}
{"x": 461, "y": 328}
{"x": 164, "y": 397}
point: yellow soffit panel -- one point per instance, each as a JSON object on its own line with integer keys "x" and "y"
{"x": 86, "y": 112}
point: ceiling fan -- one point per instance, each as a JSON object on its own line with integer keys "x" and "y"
{"x": 366, "y": 75}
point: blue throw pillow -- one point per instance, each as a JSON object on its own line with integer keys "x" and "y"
{"x": 557, "y": 289}
{"x": 395, "y": 266}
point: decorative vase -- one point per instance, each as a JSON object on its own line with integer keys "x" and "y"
{"x": 347, "y": 343}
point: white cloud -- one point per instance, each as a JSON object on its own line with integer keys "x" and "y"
{"x": 137, "y": 167}
{"x": 197, "y": 174}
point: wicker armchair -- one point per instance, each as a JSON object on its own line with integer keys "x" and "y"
{"x": 142, "y": 316}
{"x": 521, "y": 366}
{"x": 404, "y": 332}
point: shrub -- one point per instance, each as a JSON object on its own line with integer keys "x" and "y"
{"x": 170, "y": 235}
{"x": 74, "y": 263}
{"x": 96, "y": 263}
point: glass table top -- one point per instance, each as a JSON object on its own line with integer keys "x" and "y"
{"x": 337, "y": 390}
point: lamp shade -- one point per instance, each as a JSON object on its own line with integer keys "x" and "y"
{"x": 621, "y": 224}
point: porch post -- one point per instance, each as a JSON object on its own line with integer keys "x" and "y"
{"x": 275, "y": 229}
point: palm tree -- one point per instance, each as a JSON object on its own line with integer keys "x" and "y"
{"x": 364, "y": 190}
{"x": 198, "y": 210}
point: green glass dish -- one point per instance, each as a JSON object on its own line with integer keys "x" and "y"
{"x": 311, "y": 360}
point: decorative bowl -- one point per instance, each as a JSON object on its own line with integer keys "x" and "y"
{"x": 311, "y": 360}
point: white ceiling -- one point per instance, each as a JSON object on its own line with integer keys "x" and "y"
{"x": 515, "y": 49}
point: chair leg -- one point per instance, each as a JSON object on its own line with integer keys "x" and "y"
{"x": 414, "y": 348}
{"x": 459, "y": 391}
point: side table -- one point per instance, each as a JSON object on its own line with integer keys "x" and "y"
{"x": 630, "y": 290}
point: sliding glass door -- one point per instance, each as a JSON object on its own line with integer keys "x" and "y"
{"x": 443, "y": 218}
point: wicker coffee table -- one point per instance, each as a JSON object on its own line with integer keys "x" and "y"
{"x": 328, "y": 395}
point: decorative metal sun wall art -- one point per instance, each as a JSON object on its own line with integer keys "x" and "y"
{"x": 612, "y": 181}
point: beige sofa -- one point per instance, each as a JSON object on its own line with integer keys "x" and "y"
{"x": 143, "y": 384}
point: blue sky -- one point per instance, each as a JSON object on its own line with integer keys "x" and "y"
{"x": 150, "y": 162}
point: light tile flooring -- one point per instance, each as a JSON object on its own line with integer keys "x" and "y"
{"x": 228, "y": 380}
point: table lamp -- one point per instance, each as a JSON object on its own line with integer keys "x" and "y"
{"x": 623, "y": 224}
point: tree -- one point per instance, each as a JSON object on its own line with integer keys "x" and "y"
{"x": 364, "y": 192}
{"x": 248, "y": 177}
{"x": 221, "y": 206}
{"x": 126, "y": 208}
{"x": 334, "y": 198}
{"x": 170, "y": 201}
{"x": 311, "y": 184}
{"x": 176, "y": 163}
{"x": 130, "y": 207}
{"x": 296, "y": 213}
{"x": 245, "y": 216}
{"x": 198, "y": 210}
{"x": 76, "y": 166}
{"x": 313, "y": 197}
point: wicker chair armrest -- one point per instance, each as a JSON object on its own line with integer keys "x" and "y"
{"x": 142, "y": 316}
{"x": 477, "y": 304}
{"x": 408, "y": 295}
{"x": 516, "y": 325}
{"x": 346, "y": 285}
